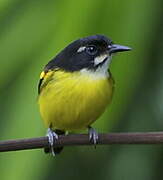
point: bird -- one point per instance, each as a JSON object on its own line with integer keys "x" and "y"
{"x": 76, "y": 86}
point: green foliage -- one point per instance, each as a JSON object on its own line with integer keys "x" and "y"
{"x": 31, "y": 33}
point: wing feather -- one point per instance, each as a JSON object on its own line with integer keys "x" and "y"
{"x": 45, "y": 77}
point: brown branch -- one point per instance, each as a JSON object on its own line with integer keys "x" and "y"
{"x": 82, "y": 139}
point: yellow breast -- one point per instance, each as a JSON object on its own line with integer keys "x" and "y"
{"x": 73, "y": 101}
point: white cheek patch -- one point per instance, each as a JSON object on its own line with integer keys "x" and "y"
{"x": 81, "y": 49}
{"x": 100, "y": 59}
{"x": 100, "y": 73}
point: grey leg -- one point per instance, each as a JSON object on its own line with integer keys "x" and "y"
{"x": 52, "y": 136}
{"x": 93, "y": 135}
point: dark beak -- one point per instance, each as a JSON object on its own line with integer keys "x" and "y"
{"x": 117, "y": 48}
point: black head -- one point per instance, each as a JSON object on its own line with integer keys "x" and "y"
{"x": 85, "y": 53}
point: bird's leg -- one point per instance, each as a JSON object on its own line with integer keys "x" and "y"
{"x": 93, "y": 135}
{"x": 52, "y": 137}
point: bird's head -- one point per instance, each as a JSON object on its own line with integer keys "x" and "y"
{"x": 91, "y": 53}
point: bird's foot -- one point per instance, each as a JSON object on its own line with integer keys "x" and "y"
{"x": 93, "y": 135}
{"x": 52, "y": 138}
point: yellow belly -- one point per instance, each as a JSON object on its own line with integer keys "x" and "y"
{"x": 72, "y": 101}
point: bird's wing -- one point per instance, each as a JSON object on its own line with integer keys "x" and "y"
{"x": 45, "y": 78}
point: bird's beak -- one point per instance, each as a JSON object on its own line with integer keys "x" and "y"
{"x": 117, "y": 48}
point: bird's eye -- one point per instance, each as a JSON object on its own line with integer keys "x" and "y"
{"x": 91, "y": 50}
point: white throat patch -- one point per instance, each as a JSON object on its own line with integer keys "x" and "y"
{"x": 100, "y": 73}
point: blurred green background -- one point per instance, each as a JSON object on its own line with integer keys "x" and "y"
{"x": 31, "y": 33}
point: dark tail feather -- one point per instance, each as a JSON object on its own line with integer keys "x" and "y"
{"x": 57, "y": 150}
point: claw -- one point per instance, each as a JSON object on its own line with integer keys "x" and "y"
{"x": 93, "y": 135}
{"x": 52, "y": 137}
